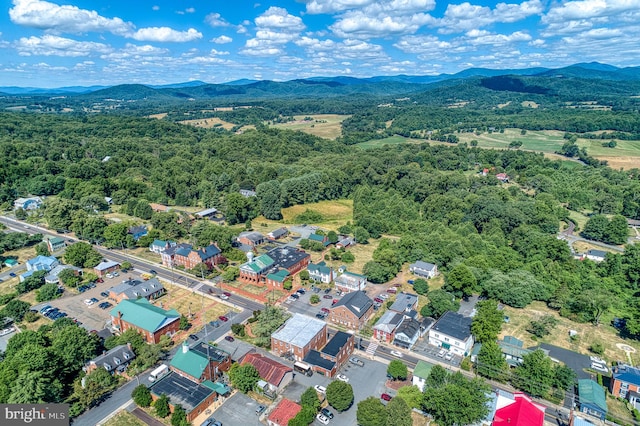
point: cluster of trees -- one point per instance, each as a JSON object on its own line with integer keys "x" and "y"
{"x": 142, "y": 397}
{"x": 601, "y": 228}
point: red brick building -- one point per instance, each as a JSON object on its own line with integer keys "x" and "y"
{"x": 190, "y": 258}
{"x": 149, "y": 320}
{"x": 299, "y": 335}
{"x": 255, "y": 271}
{"x": 276, "y": 374}
{"x": 352, "y": 311}
{"x": 200, "y": 362}
{"x": 328, "y": 360}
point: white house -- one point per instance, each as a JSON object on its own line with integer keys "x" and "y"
{"x": 420, "y": 374}
{"x": 348, "y": 282}
{"x": 321, "y": 272}
{"x": 453, "y": 333}
{"x": 30, "y": 203}
{"x": 39, "y": 263}
{"x": 596, "y": 255}
{"x": 424, "y": 269}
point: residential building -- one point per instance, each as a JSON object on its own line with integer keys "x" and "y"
{"x": 522, "y": 412}
{"x": 39, "y": 263}
{"x": 207, "y": 213}
{"x": 344, "y": 242}
{"x": 502, "y": 177}
{"x": 132, "y": 289}
{"x": 276, "y": 234}
{"x": 201, "y": 362}
{"x": 420, "y": 374}
{"x": 333, "y": 355}
{"x": 319, "y": 239}
{"x": 407, "y": 333}
{"x": 513, "y": 350}
{"x": 52, "y": 276}
{"x": 405, "y": 303}
{"x": 252, "y": 239}
{"x": 190, "y": 258}
{"x": 168, "y": 255}
{"x": 30, "y": 203}
{"x": 321, "y": 272}
{"x": 384, "y": 330}
{"x": 149, "y": 320}
{"x": 158, "y": 246}
{"x": 159, "y": 207}
{"x": 247, "y": 193}
{"x": 452, "y": 332}
{"x": 299, "y": 335}
{"x": 137, "y": 232}
{"x": 115, "y": 361}
{"x": 284, "y": 411}
{"x": 352, "y": 311}
{"x": 424, "y": 269}
{"x": 625, "y": 381}
{"x": 596, "y": 255}
{"x": 592, "y": 399}
{"x": 55, "y": 244}
{"x": 349, "y": 282}
{"x": 276, "y": 374}
{"x": 255, "y": 270}
{"x": 192, "y": 396}
{"x": 105, "y": 267}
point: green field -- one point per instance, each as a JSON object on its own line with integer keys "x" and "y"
{"x": 327, "y": 126}
{"x": 392, "y": 140}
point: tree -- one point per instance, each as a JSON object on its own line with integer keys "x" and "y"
{"x": 126, "y": 265}
{"x": 458, "y": 401}
{"x": 179, "y": 416}
{"x": 47, "y": 292}
{"x": 244, "y": 377}
{"x": 69, "y": 277}
{"x": 339, "y": 395}
{"x": 310, "y": 398}
{"x": 161, "y": 406}
{"x": 371, "y": 412}
{"x": 397, "y": 370}
{"x": 440, "y": 302}
{"x": 184, "y": 323}
{"x": 304, "y": 417}
{"x": 461, "y": 280}
{"x": 361, "y": 235}
{"x": 491, "y": 362}
{"x": 42, "y": 249}
{"x": 617, "y": 230}
{"x": 398, "y": 413}
{"x": 437, "y": 377}
{"x": 82, "y": 255}
{"x": 421, "y": 286}
{"x": 563, "y": 377}
{"x": 487, "y": 322}
{"x": 15, "y": 309}
{"x": 230, "y": 274}
{"x": 314, "y": 299}
{"x": 268, "y": 194}
{"x": 535, "y": 374}
{"x": 333, "y": 237}
{"x": 142, "y": 396}
{"x": 411, "y": 395}
{"x": 115, "y": 235}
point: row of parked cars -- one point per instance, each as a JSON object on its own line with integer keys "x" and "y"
{"x": 52, "y": 313}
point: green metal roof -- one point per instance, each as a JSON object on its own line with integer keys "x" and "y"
{"x": 191, "y": 362}
{"x": 219, "y": 388}
{"x": 592, "y": 393}
{"x": 316, "y": 237}
{"x": 279, "y": 276}
{"x": 321, "y": 268}
{"x": 423, "y": 369}
{"x": 56, "y": 240}
{"x": 143, "y": 314}
{"x": 260, "y": 263}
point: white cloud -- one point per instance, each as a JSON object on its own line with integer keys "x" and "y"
{"x": 278, "y": 17}
{"x": 331, "y": 6}
{"x": 275, "y": 28}
{"x": 50, "y": 45}
{"x": 466, "y": 16}
{"x": 71, "y": 19}
{"x": 166, "y": 34}
{"x": 223, "y": 39}
{"x": 586, "y": 9}
{"x": 422, "y": 44}
{"x": 484, "y": 37}
{"x": 359, "y": 24}
{"x": 216, "y": 20}
{"x": 155, "y": 7}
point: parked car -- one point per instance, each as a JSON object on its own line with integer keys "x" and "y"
{"x": 104, "y": 294}
{"x": 378, "y": 300}
{"x": 88, "y": 302}
{"x": 441, "y": 353}
{"x": 94, "y": 300}
{"x": 320, "y": 389}
{"x": 322, "y": 419}
{"x": 385, "y": 397}
{"x": 449, "y": 356}
{"x": 392, "y": 290}
{"x": 356, "y": 361}
{"x": 327, "y": 296}
{"x": 327, "y": 290}
{"x": 45, "y": 308}
{"x": 396, "y": 353}
{"x": 384, "y": 296}
{"x": 214, "y": 324}
{"x": 100, "y": 280}
{"x": 223, "y": 318}
{"x": 223, "y": 297}
{"x": 295, "y": 296}
{"x": 105, "y": 305}
{"x": 599, "y": 367}
{"x": 316, "y": 290}
{"x": 109, "y": 275}
{"x": 325, "y": 310}
{"x": 327, "y": 413}
{"x": 226, "y": 293}
{"x": 193, "y": 337}
{"x": 91, "y": 285}
{"x": 301, "y": 291}
{"x": 334, "y": 302}
{"x": 229, "y": 338}
{"x": 153, "y": 272}
{"x": 12, "y": 274}
{"x": 597, "y": 360}
{"x": 410, "y": 282}
{"x": 320, "y": 315}
{"x": 342, "y": 378}
{"x": 260, "y": 409}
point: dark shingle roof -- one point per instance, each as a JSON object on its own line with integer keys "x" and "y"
{"x": 455, "y": 325}
{"x": 181, "y": 390}
{"x": 337, "y": 342}
{"x": 314, "y": 358}
{"x": 357, "y": 302}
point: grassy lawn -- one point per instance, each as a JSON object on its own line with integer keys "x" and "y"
{"x": 335, "y": 213}
{"x": 391, "y": 140}
{"x": 184, "y": 300}
{"x": 587, "y": 333}
{"x": 208, "y": 123}
{"x": 124, "y": 418}
{"x": 579, "y": 219}
{"x": 328, "y": 126}
{"x": 619, "y": 411}
{"x": 362, "y": 252}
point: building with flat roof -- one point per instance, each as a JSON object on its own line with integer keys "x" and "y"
{"x": 149, "y": 320}
{"x": 299, "y": 335}
{"x": 192, "y": 396}
{"x": 328, "y": 360}
{"x": 452, "y": 331}
{"x": 256, "y": 270}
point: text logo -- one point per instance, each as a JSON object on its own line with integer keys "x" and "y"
{"x": 34, "y": 414}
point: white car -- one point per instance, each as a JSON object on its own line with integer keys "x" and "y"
{"x": 597, "y": 360}
{"x": 342, "y": 378}
{"x": 599, "y": 367}
{"x": 109, "y": 275}
{"x": 396, "y": 353}
{"x": 322, "y": 419}
{"x": 449, "y": 356}
{"x": 88, "y": 302}
{"x": 441, "y": 353}
{"x": 223, "y": 297}
{"x": 320, "y": 389}
{"x": 383, "y": 296}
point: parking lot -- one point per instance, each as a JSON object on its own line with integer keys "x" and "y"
{"x": 239, "y": 409}
{"x": 423, "y": 347}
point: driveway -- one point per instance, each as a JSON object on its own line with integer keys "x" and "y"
{"x": 237, "y": 410}
{"x": 468, "y": 306}
{"x": 5, "y": 339}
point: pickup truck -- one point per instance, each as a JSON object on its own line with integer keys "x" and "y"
{"x": 356, "y": 361}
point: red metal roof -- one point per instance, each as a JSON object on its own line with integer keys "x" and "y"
{"x": 270, "y": 370}
{"x": 285, "y": 411}
{"x": 523, "y": 412}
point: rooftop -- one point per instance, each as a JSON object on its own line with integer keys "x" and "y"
{"x": 181, "y": 391}
{"x": 285, "y": 411}
{"x": 286, "y": 257}
{"x": 409, "y": 328}
{"x": 105, "y": 265}
{"x": 423, "y": 369}
{"x": 252, "y": 236}
{"x": 404, "y": 302}
{"x": 212, "y": 352}
{"x": 357, "y": 302}
{"x": 143, "y": 314}
{"x": 314, "y": 358}
{"x": 337, "y": 342}
{"x": 597, "y": 253}
{"x": 299, "y": 330}
{"x": 112, "y": 359}
{"x": 424, "y": 265}
{"x": 206, "y": 212}
{"x": 592, "y": 393}
{"x": 136, "y": 288}
{"x": 389, "y": 321}
{"x": 319, "y": 268}
{"x": 270, "y": 370}
{"x": 523, "y": 412}
{"x": 455, "y": 325}
{"x": 626, "y": 373}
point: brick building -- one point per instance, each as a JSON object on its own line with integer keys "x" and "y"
{"x": 352, "y": 311}
{"x": 190, "y": 258}
{"x": 200, "y": 362}
{"x": 149, "y": 320}
{"x": 299, "y": 335}
{"x": 328, "y": 360}
{"x": 256, "y": 270}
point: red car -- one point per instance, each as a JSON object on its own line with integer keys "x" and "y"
{"x": 223, "y": 318}
{"x": 378, "y": 300}
{"x": 385, "y": 397}
{"x": 100, "y": 280}
{"x": 229, "y": 338}
{"x": 226, "y": 293}
{"x": 325, "y": 310}
{"x": 327, "y": 296}
{"x": 334, "y": 302}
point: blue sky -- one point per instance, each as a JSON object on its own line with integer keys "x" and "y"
{"x": 105, "y": 42}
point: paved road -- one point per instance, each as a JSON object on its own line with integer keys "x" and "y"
{"x": 571, "y": 238}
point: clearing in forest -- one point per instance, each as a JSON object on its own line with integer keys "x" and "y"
{"x": 208, "y": 123}
{"x": 328, "y": 126}
{"x": 335, "y": 213}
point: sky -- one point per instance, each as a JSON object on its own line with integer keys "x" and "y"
{"x": 106, "y": 42}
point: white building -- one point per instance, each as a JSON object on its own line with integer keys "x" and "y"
{"x": 453, "y": 333}
{"x": 424, "y": 269}
{"x": 349, "y": 282}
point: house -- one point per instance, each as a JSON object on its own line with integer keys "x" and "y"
{"x": 137, "y": 232}
{"x": 344, "y": 242}
{"x": 423, "y": 269}
{"x": 114, "y": 361}
{"x": 200, "y": 363}
{"x": 452, "y": 332}
{"x": 352, "y": 311}
{"x": 247, "y": 193}
{"x": 149, "y": 320}
{"x": 132, "y": 289}
{"x": 30, "y": 203}
{"x": 39, "y": 263}
{"x": 192, "y": 396}
{"x": 105, "y": 267}
{"x": 384, "y": 330}
{"x": 420, "y": 374}
{"x": 10, "y": 263}
{"x": 404, "y": 303}
{"x": 625, "y": 381}
{"x": 592, "y": 398}
{"x": 276, "y": 374}
{"x": 349, "y": 282}
{"x": 159, "y": 207}
{"x": 299, "y": 335}
{"x": 284, "y": 411}
{"x": 522, "y": 412}
{"x": 321, "y": 272}
{"x": 168, "y": 255}
{"x": 276, "y": 234}
{"x": 407, "y": 333}
{"x": 255, "y": 270}
{"x": 252, "y": 239}
{"x": 333, "y": 355}
{"x": 319, "y": 239}
{"x": 158, "y": 246}
{"x": 596, "y": 255}
{"x": 502, "y": 177}
{"x": 52, "y": 276}
{"x": 513, "y": 350}
{"x": 207, "y": 213}
{"x": 55, "y": 244}
{"x": 190, "y": 258}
